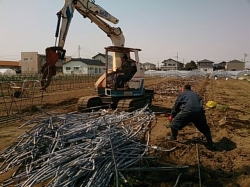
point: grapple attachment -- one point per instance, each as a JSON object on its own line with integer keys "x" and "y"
{"x": 53, "y": 54}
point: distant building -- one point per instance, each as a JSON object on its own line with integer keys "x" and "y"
{"x": 171, "y": 64}
{"x": 83, "y": 66}
{"x": 235, "y": 65}
{"x": 10, "y": 64}
{"x": 220, "y": 66}
{"x": 31, "y": 62}
{"x": 101, "y": 57}
{"x": 205, "y": 66}
{"x": 149, "y": 66}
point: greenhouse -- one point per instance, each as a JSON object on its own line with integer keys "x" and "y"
{"x": 175, "y": 73}
{"x": 214, "y": 74}
{"x": 229, "y": 74}
{"x": 7, "y": 71}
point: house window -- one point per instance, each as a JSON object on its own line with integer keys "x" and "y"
{"x": 76, "y": 68}
{"x": 25, "y": 59}
{"x": 42, "y": 59}
{"x": 68, "y": 68}
{"x": 96, "y": 70}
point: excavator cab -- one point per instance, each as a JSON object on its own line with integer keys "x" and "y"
{"x": 132, "y": 95}
{"x": 106, "y": 84}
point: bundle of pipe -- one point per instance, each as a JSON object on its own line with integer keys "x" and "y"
{"x": 77, "y": 149}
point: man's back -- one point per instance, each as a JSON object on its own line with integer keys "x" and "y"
{"x": 190, "y": 101}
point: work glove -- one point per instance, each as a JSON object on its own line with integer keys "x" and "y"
{"x": 170, "y": 118}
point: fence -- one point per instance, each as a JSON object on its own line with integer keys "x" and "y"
{"x": 20, "y": 93}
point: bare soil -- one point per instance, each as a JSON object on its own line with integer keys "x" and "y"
{"x": 228, "y": 166}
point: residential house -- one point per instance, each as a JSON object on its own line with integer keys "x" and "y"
{"x": 220, "y": 66}
{"x": 83, "y": 66}
{"x": 171, "y": 64}
{"x": 148, "y": 66}
{"x": 10, "y": 64}
{"x": 205, "y": 66}
{"x": 101, "y": 57}
{"x": 235, "y": 65}
{"x": 31, "y": 62}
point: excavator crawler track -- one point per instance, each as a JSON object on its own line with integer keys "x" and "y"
{"x": 127, "y": 104}
{"x": 130, "y": 104}
{"x": 89, "y": 102}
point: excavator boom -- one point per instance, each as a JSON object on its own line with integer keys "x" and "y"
{"x": 88, "y": 9}
{"x": 135, "y": 96}
{"x": 96, "y": 14}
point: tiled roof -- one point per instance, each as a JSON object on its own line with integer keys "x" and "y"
{"x": 235, "y": 61}
{"x": 88, "y": 61}
{"x": 170, "y": 59}
{"x": 205, "y": 61}
{"x": 99, "y": 54}
{"x": 9, "y": 63}
{"x": 147, "y": 63}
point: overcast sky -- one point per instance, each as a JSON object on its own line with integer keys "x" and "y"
{"x": 217, "y": 30}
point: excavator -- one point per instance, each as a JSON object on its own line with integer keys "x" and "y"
{"x": 132, "y": 95}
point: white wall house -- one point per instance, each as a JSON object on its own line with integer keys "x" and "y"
{"x": 205, "y": 66}
{"x": 171, "y": 64}
{"x": 149, "y": 66}
{"x": 83, "y": 66}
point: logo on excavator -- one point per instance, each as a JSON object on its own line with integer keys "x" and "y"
{"x": 69, "y": 15}
{"x": 104, "y": 13}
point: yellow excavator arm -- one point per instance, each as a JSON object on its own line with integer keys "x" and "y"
{"x": 96, "y": 14}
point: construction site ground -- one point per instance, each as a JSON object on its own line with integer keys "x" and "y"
{"x": 228, "y": 166}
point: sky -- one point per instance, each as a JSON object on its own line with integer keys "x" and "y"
{"x": 184, "y": 30}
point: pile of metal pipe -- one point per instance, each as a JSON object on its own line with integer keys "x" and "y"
{"x": 77, "y": 149}
{"x": 172, "y": 86}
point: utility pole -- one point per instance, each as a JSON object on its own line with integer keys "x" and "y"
{"x": 244, "y": 59}
{"x": 245, "y": 55}
{"x": 183, "y": 63}
{"x": 79, "y": 50}
{"x": 177, "y": 62}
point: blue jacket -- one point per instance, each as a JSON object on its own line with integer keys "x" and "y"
{"x": 187, "y": 101}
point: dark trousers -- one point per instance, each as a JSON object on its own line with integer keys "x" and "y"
{"x": 199, "y": 120}
{"x": 121, "y": 80}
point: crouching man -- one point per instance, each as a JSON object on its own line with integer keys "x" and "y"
{"x": 188, "y": 108}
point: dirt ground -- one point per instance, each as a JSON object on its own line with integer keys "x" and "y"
{"x": 228, "y": 166}
{"x": 230, "y": 126}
